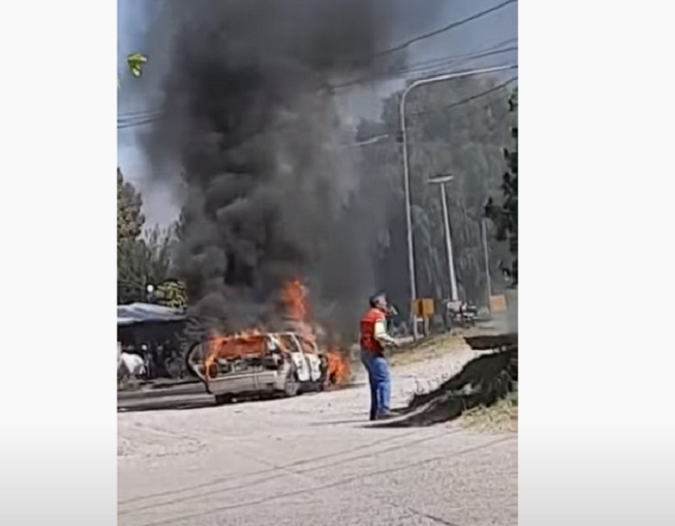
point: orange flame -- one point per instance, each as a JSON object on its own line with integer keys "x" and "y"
{"x": 234, "y": 346}
{"x": 295, "y": 299}
{"x": 296, "y": 303}
{"x": 338, "y": 368}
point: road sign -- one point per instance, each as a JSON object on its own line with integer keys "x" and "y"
{"x": 423, "y": 308}
{"x": 498, "y": 303}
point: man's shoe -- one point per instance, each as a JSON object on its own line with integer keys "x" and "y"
{"x": 385, "y": 415}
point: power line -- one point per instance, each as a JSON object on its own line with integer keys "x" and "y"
{"x": 469, "y": 99}
{"x": 440, "y": 69}
{"x": 132, "y": 114}
{"x": 447, "y": 107}
{"x": 139, "y": 122}
{"x": 436, "y": 32}
{"x": 399, "y": 47}
{"x": 126, "y": 121}
{"x": 421, "y": 67}
{"x": 436, "y": 63}
{"x": 141, "y": 115}
{"x": 152, "y": 116}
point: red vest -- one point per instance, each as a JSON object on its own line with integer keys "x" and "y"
{"x": 368, "y": 320}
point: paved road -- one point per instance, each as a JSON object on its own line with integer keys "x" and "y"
{"x": 312, "y": 460}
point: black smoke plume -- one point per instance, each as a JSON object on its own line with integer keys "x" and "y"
{"x": 268, "y": 196}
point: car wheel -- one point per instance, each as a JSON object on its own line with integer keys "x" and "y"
{"x": 291, "y": 386}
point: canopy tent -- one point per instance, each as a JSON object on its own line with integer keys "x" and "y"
{"x": 147, "y": 313}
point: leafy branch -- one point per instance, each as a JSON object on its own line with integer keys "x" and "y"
{"x": 135, "y": 63}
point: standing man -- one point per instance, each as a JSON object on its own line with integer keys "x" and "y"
{"x": 373, "y": 340}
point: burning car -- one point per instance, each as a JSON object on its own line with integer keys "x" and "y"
{"x": 259, "y": 362}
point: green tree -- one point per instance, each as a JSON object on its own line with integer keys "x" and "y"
{"x": 505, "y": 215}
{"x": 134, "y": 257}
{"x": 130, "y": 219}
{"x": 146, "y": 259}
{"x": 149, "y": 261}
{"x": 130, "y": 250}
{"x": 171, "y": 293}
{"x": 456, "y": 127}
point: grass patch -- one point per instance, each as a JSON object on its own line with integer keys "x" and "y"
{"x": 500, "y": 417}
{"x": 483, "y": 382}
{"x": 426, "y": 348}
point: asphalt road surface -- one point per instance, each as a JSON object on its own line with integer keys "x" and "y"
{"x": 312, "y": 460}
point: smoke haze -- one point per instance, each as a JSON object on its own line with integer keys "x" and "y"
{"x": 266, "y": 194}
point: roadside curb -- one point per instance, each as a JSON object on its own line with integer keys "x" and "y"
{"x": 160, "y": 392}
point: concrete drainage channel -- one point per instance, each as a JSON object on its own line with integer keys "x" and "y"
{"x": 481, "y": 382}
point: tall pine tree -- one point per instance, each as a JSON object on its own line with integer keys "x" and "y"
{"x": 505, "y": 215}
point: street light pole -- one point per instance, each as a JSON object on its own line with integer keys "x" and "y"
{"x": 486, "y": 253}
{"x": 454, "y": 296}
{"x": 406, "y": 163}
{"x": 408, "y": 212}
{"x": 441, "y": 181}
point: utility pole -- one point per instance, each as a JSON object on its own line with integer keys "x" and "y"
{"x": 406, "y": 165}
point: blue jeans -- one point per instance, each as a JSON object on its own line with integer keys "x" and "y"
{"x": 380, "y": 382}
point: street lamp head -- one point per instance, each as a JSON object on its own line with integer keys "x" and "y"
{"x": 440, "y": 179}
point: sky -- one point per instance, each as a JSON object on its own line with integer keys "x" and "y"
{"x": 133, "y": 20}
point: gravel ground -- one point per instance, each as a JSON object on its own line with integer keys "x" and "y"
{"x": 314, "y": 460}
